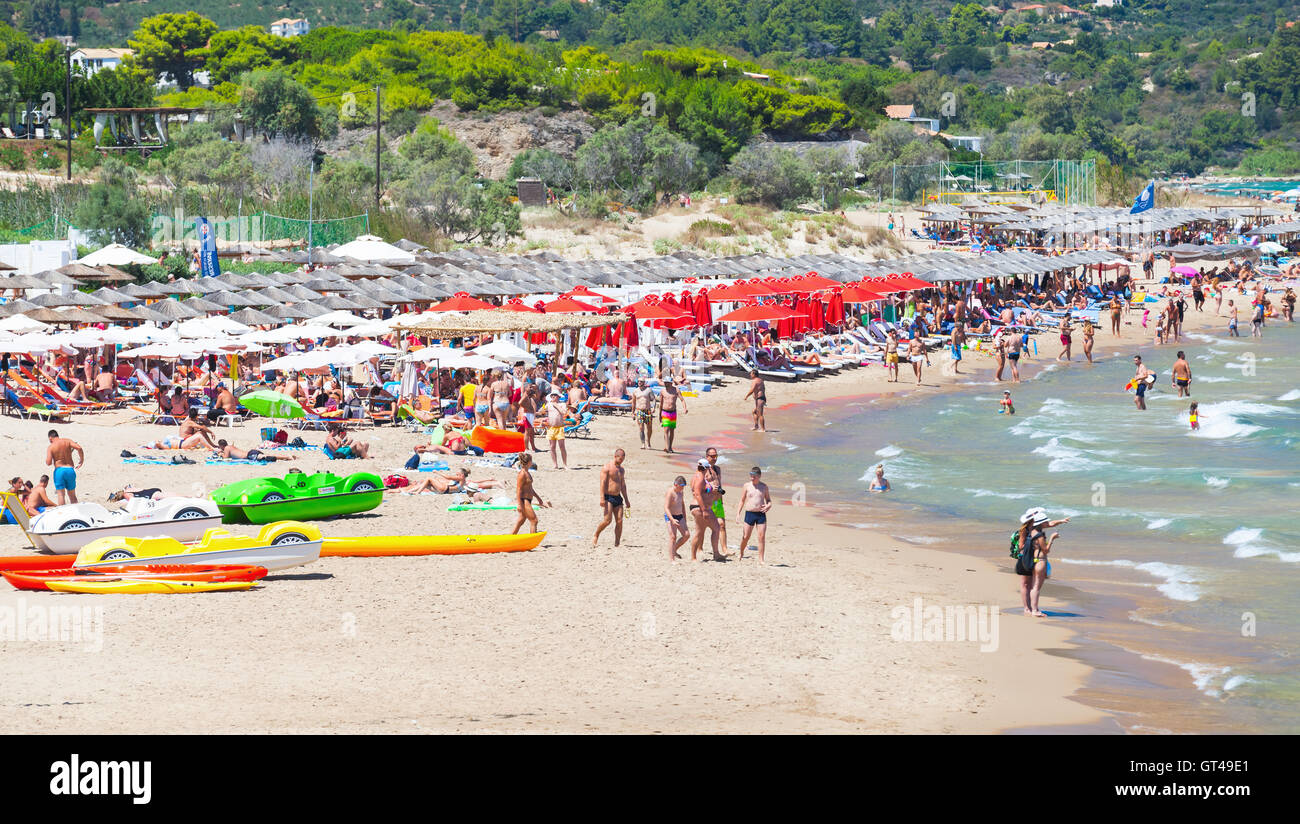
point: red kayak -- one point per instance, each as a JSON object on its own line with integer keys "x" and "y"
{"x": 496, "y": 440}
{"x": 36, "y": 579}
{"x": 22, "y": 563}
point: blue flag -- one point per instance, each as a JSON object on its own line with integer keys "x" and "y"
{"x": 208, "y": 265}
{"x": 1145, "y": 200}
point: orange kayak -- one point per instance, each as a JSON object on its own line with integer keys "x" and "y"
{"x": 496, "y": 440}
{"x": 20, "y": 563}
{"x": 381, "y": 545}
{"x": 38, "y": 579}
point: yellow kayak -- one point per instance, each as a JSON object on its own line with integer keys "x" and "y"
{"x": 147, "y": 586}
{"x": 379, "y": 545}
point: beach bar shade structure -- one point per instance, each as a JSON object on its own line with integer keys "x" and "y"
{"x": 500, "y": 320}
{"x": 461, "y": 302}
{"x": 22, "y": 282}
{"x": 203, "y": 305}
{"x": 271, "y": 404}
{"x": 109, "y": 295}
{"x": 288, "y": 312}
{"x": 53, "y": 277}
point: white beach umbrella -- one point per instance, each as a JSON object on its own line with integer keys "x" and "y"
{"x": 504, "y": 350}
{"x": 22, "y": 324}
{"x": 371, "y": 248}
{"x": 341, "y": 319}
{"x": 36, "y": 343}
{"x": 444, "y": 354}
{"x": 115, "y": 254}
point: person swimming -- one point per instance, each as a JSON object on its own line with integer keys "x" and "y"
{"x": 880, "y": 484}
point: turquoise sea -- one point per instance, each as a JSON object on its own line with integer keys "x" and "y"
{"x": 1181, "y": 561}
{"x": 1246, "y": 188}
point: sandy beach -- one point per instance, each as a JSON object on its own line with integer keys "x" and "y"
{"x": 565, "y": 638}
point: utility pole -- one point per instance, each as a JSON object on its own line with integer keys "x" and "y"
{"x": 311, "y": 214}
{"x": 67, "y": 101}
{"x": 378, "y": 118}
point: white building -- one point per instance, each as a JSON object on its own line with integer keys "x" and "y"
{"x": 92, "y": 60}
{"x": 907, "y": 114}
{"x": 290, "y": 27}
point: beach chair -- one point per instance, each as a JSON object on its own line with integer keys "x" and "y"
{"x": 741, "y": 367}
{"x": 582, "y": 427}
{"x": 28, "y": 407}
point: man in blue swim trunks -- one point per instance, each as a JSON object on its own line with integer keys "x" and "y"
{"x": 59, "y": 456}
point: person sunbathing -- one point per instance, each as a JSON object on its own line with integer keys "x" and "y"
{"x": 406, "y": 406}
{"x": 343, "y": 445}
{"x": 454, "y": 443}
{"x": 191, "y": 435}
{"x": 442, "y": 483}
{"x": 230, "y": 452}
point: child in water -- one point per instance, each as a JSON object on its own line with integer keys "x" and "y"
{"x": 1146, "y": 313}
{"x": 1193, "y": 417}
{"x": 1007, "y": 407}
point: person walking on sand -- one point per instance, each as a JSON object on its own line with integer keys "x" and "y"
{"x": 1182, "y": 376}
{"x": 613, "y": 497}
{"x": 758, "y": 391}
{"x": 704, "y": 493}
{"x": 59, "y": 455}
{"x": 1032, "y": 565}
{"x": 669, "y": 397}
{"x": 643, "y": 401}
{"x": 555, "y": 429}
{"x": 891, "y": 355}
{"x": 755, "y": 501}
{"x": 1066, "y": 338}
{"x": 1140, "y": 382}
{"x": 916, "y": 354}
{"x": 675, "y": 517}
{"x": 525, "y": 495}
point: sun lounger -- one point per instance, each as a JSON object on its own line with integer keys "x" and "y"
{"x": 741, "y": 367}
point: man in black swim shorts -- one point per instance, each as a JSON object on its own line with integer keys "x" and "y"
{"x": 755, "y": 501}
{"x": 614, "y": 498}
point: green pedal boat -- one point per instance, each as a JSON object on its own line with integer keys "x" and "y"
{"x": 298, "y": 497}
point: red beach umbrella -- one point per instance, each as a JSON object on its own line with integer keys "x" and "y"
{"x": 460, "y": 302}
{"x": 586, "y": 292}
{"x": 517, "y": 305}
{"x": 754, "y": 313}
{"x": 563, "y": 304}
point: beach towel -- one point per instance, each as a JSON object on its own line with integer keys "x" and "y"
{"x": 153, "y": 461}
{"x": 233, "y": 461}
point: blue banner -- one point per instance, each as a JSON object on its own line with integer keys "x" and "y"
{"x": 1145, "y": 200}
{"x": 209, "y": 267}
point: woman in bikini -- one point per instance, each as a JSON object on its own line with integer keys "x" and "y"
{"x": 1088, "y": 333}
{"x": 525, "y": 495}
{"x": 1114, "y": 315}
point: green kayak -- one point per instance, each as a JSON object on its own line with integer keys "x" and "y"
{"x": 298, "y": 497}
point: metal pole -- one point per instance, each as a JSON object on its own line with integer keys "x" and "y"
{"x": 311, "y": 180}
{"x": 67, "y": 102}
{"x": 893, "y": 192}
{"x": 378, "y": 118}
